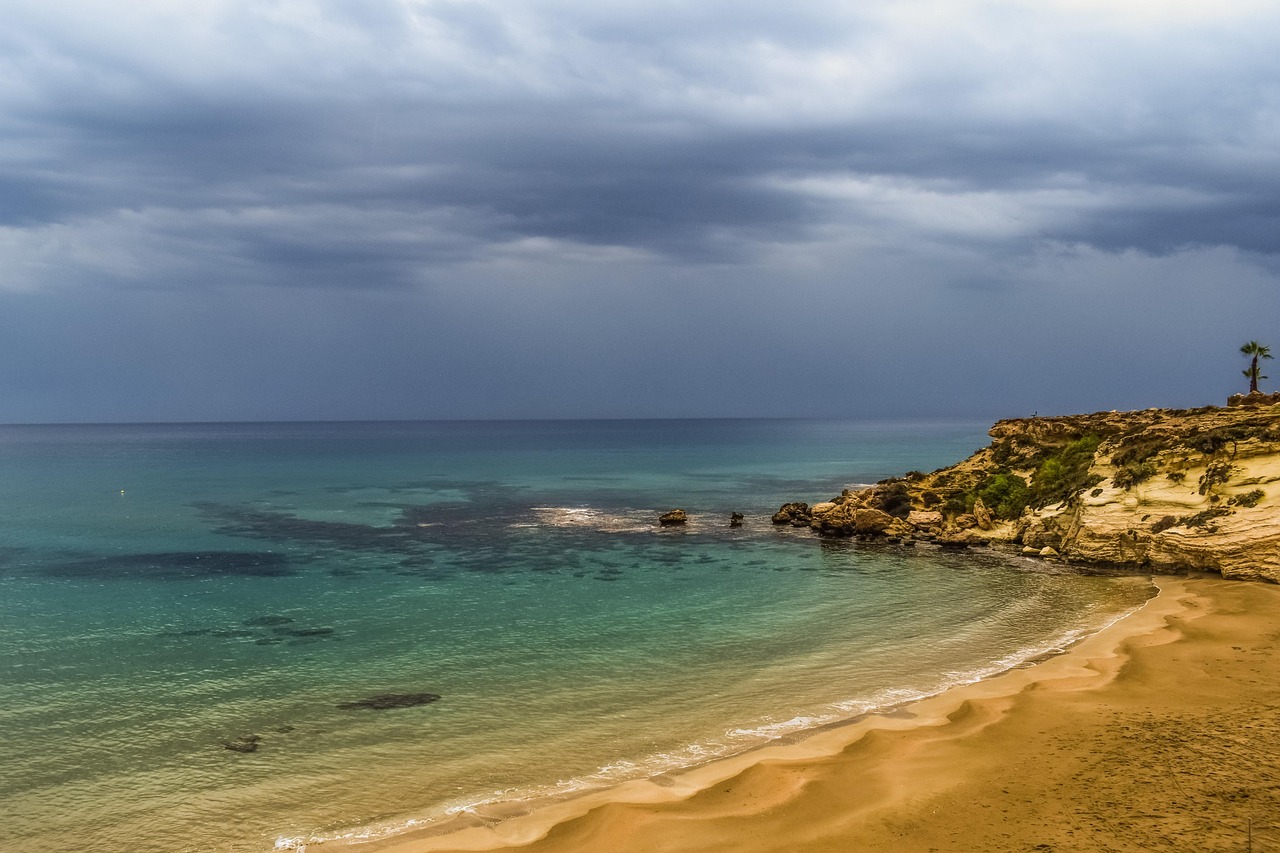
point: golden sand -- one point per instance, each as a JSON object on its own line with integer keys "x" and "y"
{"x": 1160, "y": 733}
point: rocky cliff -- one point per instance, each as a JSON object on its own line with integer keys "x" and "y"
{"x": 1160, "y": 489}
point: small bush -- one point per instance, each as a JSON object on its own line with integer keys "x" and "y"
{"x": 1176, "y": 476}
{"x": 930, "y": 499}
{"x": 1133, "y": 474}
{"x": 1136, "y": 452}
{"x": 1005, "y": 494}
{"x": 1248, "y": 499}
{"x": 1164, "y": 524}
{"x": 892, "y": 498}
{"x": 1215, "y": 474}
{"x": 1066, "y": 474}
{"x": 1205, "y": 519}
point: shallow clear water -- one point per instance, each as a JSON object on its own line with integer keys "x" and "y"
{"x": 165, "y": 589}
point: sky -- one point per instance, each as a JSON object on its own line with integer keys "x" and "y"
{"x": 403, "y": 209}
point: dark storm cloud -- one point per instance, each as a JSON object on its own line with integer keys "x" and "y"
{"x": 902, "y": 164}
{"x": 622, "y": 125}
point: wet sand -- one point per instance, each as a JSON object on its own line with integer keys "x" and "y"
{"x": 1160, "y": 733}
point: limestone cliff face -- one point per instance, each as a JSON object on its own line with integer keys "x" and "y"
{"x": 1159, "y": 489}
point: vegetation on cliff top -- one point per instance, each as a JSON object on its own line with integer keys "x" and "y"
{"x": 1042, "y": 462}
{"x": 1253, "y": 373}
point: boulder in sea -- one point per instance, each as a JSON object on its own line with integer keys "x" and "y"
{"x": 735, "y": 519}
{"x": 246, "y": 743}
{"x": 388, "y": 701}
{"x": 673, "y": 518}
{"x": 791, "y": 513}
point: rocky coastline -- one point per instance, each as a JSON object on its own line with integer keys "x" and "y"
{"x": 1162, "y": 490}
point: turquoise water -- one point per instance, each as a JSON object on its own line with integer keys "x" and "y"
{"x": 167, "y": 589}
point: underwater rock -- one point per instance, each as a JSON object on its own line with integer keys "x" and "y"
{"x": 303, "y": 632}
{"x": 387, "y": 701}
{"x": 267, "y": 621}
{"x": 247, "y": 743}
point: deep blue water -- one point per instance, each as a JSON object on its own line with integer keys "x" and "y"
{"x": 167, "y": 589}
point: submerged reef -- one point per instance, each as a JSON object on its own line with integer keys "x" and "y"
{"x": 388, "y": 701}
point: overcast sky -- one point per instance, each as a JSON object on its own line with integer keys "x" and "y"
{"x": 346, "y": 209}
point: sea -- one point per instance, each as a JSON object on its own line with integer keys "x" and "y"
{"x": 197, "y": 620}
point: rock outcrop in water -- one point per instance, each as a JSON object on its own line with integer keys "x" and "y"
{"x": 388, "y": 701}
{"x": 673, "y": 518}
{"x": 245, "y": 743}
{"x": 1159, "y": 489}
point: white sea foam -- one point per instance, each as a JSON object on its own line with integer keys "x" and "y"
{"x": 591, "y": 518}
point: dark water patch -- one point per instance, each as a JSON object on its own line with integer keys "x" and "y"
{"x": 174, "y": 565}
{"x": 435, "y": 542}
{"x": 282, "y": 527}
{"x": 389, "y": 701}
{"x": 262, "y": 630}
{"x": 284, "y": 631}
{"x": 12, "y": 558}
{"x": 244, "y": 743}
{"x": 343, "y": 573}
{"x": 270, "y": 620}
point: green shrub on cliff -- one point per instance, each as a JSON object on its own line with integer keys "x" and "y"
{"x": 1005, "y": 494}
{"x": 891, "y": 496}
{"x": 1132, "y": 474}
{"x": 1066, "y": 473}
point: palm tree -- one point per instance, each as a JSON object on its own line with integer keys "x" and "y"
{"x": 1257, "y": 350}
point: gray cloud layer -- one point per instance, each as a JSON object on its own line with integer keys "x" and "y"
{"x": 422, "y": 209}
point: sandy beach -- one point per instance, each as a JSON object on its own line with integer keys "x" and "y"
{"x": 1160, "y": 732}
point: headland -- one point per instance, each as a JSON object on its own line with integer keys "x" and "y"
{"x": 1160, "y": 490}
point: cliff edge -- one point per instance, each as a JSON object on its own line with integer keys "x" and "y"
{"x": 1159, "y": 489}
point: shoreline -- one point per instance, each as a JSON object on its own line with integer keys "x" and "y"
{"x": 714, "y": 803}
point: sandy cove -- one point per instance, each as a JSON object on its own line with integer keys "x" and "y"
{"x": 1160, "y": 732}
